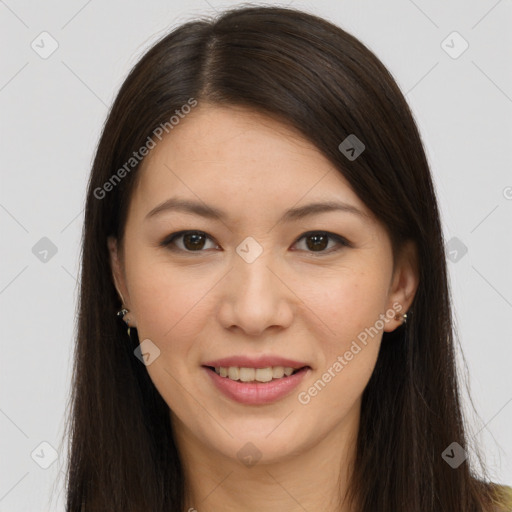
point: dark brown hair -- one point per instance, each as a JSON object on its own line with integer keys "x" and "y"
{"x": 317, "y": 78}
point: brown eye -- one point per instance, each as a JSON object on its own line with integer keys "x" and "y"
{"x": 318, "y": 241}
{"x": 196, "y": 241}
{"x": 191, "y": 241}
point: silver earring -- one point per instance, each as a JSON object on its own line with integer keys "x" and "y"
{"x": 404, "y": 318}
{"x": 121, "y": 314}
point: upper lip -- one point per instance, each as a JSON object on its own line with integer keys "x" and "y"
{"x": 262, "y": 361}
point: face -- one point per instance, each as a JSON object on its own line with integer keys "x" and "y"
{"x": 316, "y": 289}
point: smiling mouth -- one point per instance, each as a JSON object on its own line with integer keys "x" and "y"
{"x": 256, "y": 375}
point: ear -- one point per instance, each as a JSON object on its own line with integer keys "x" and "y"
{"x": 116, "y": 265}
{"x": 404, "y": 283}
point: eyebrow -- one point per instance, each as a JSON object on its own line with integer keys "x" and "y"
{"x": 210, "y": 212}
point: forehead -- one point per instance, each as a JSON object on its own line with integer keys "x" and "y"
{"x": 231, "y": 155}
{"x": 232, "y": 135}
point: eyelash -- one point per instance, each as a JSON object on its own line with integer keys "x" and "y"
{"x": 168, "y": 241}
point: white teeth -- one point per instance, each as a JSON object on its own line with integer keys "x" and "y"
{"x": 246, "y": 374}
{"x": 264, "y": 374}
{"x": 234, "y": 373}
{"x": 254, "y": 374}
{"x": 277, "y": 372}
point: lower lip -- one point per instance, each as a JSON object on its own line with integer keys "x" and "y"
{"x": 257, "y": 393}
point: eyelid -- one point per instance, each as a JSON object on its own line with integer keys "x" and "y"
{"x": 342, "y": 241}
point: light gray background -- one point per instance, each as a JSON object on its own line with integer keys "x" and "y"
{"x": 52, "y": 113}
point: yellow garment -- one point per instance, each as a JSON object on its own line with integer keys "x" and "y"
{"x": 503, "y": 498}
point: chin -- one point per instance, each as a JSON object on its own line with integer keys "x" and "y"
{"x": 259, "y": 442}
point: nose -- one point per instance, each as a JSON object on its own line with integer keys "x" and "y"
{"x": 255, "y": 298}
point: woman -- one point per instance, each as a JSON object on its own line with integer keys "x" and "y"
{"x": 261, "y": 215}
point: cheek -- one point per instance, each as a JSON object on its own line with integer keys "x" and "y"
{"x": 169, "y": 303}
{"x": 347, "y": 302}
{"x": 170, "y": 308}
{"x": 350, "y": 309}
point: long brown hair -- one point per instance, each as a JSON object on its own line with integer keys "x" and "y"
{"x": 317, "y": 78}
